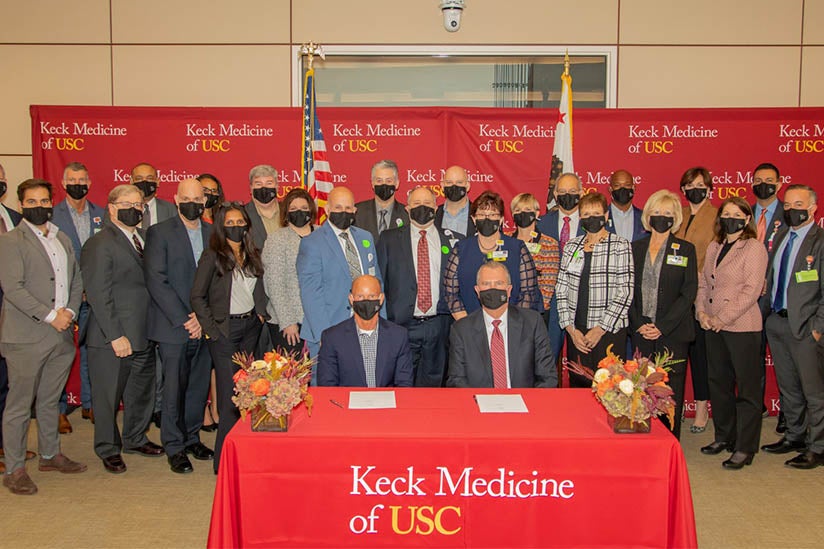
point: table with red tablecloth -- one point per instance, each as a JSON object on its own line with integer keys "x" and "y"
{"x": 435, "y": 472}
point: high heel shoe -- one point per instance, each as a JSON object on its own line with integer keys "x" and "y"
{"x": 697, "y": 429}
{"x": 738, "y": 460}
{"x": 209, "y": 428}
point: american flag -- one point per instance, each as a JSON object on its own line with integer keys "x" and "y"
{"x": 316, "y": 175}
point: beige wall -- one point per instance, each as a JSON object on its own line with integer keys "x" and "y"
{"x": 702, "y": 53}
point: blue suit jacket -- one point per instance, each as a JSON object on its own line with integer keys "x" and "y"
{"x": 63, "y": 219}
{"x": 340, "y": 362}
{"x": 548, "y": 225}
{"x": 324, "y": 278}
{"x": 638, "y": 230}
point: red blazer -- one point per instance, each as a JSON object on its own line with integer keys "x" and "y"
{"x": 731, "y": 290}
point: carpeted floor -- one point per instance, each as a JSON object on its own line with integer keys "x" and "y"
{"x": 764, "y": 505}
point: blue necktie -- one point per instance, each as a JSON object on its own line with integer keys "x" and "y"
{"x": 783, "y": 271}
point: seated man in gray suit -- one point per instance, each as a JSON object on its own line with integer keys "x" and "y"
{"x": 499, "y": 345}
{"x": 42, "y": 292}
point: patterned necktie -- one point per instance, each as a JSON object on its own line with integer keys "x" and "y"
{"x": 137, "y": 245}
{"x": 783, "y": 271}
{"x": 424, "y": 281}
{"x": 352, "y": 258}
{"x": 564, "y": 233}
{"x": 496, "y": 350}
{"x": 762, "y": 225}
{"x": 382, "y": 226}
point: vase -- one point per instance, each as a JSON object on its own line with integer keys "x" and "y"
{"x": 264, "y": 421}
{"x": 623, "y": 424}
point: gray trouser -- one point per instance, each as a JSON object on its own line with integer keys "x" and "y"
{"x": 37, "y": 374}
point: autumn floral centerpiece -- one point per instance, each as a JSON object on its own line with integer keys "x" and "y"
{"x": 271, "y": 388}
{"x": 632, "y": 391}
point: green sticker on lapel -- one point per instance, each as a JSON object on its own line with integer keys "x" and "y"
{"x": 365, "y": 243}
{"x": 445, "y": 249}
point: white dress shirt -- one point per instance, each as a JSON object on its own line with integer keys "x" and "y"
{"x": 503, "y": 328}
{"x": 60, "y": 266}
{"x": 242, "y": 299}
{"x": 573, "y": 223}
{"x": 129, "y": 236}
{"x": 343, "y": 246}
{"x": 433, "y": 241}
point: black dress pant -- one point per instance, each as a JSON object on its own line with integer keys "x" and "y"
{"x": 187, "y": 373}
{"x": 427, "y": 343}
{"x": 618, "y": 340}
{"x": 735, "y": 387}
{"x": 243, "y": 337}
{"x": 698, "y": 364}
{"x": 677, "y": 373}
{"x": 280, "y": 343}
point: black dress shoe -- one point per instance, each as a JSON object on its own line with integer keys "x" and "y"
{"x": 179, "y": 463}
{"x": 114, "y": 464}
{"x": 200, "y": 451}
{"x": 781, "y": 426}
{"x": 784, "y": 446}
{"x": 806, "y": 460}
{"x": 149, "y": 449}
{"x": 738, "y": 460}
{"x": 717, "y": 447}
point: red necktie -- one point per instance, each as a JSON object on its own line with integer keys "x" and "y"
{"x": 564, "y": 233}
{"x": 762, "y": 225}
{"x": 424, "y": 282}
{"x": 496, "y": 350}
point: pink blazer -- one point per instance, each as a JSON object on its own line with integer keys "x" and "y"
{"x": 731, "y": 290}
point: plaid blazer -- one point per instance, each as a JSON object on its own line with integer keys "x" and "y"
{"x": 611, "y": 282}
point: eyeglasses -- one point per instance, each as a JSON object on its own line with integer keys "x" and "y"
{"x": 135, "y": 205}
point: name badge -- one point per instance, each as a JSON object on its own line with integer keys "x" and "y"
{"x": 806, "y": 276}
{"x": 498, "y": 255}
{"x": 371, "y": 271}
{"x": 677, "y": 260}
{"x": 533, "y": 247}
{"x": 576, "y": 264}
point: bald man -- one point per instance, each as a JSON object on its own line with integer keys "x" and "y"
{"x": 452, "y": 216}
{"x": 624, "y": 218}
{"x": 173, "y": 248}
{"x": 328, "y": 261}
{"x": 365, "y": 350}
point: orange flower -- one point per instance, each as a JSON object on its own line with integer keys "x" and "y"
{"x": 240, "y": 374}
{"x": 631, "y": 366}
{"x": 260, "y": 387}
{"x": 617, "y": 378}
{"x": 608, "y": 361}
{"x": 268, "y": 357}
{"x": 663, "y": 371}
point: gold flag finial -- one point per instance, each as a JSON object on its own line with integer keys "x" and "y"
{"x": 311, "y": 50}
{"x": 566, "y": 63}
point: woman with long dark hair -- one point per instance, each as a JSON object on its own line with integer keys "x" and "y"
{"x": 213, "y": 190}
{"x": 230, "y": 304}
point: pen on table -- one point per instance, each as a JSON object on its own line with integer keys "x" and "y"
{"x": 336, "y": 403}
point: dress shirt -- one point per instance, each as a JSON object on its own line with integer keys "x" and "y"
{"x": 82, "y": 223}
{"x": 131, "y": 234}
{"x": 573, "y": 223}
{"x": 433, "y": 242}
{"x": 196, "y": 239}
{"x": 368, "y": 340}
{"x": 456, "y": 223}
{"x": 802, "y": 234}
{"x": 60, "y": 266}
{"x": 343, "y": 246}
{"x": 242, "y": 300}
{"x": 151, "y": 206}
{"x": 622, "y": 221}
{"x": 270, "y": 224}
{"x": 503, "y": 328}
{"x": 770, "y": 212}
{"x": 4, "y": 215}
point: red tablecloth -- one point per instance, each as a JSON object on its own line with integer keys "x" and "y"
{"x": 314, "y": 486}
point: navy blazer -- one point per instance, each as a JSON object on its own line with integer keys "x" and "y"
{"x": 400, "y": 281}
{"x": 63, "y": 219}
{"x": 340, "y": 362}
{"x": 169, "y": 264}
{"x": 774, "y": 224}
{"x": 548, "y": 225}
{"x": 638, "y": 230}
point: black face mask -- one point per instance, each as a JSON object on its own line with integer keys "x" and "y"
{"x": 341, "y": 220}
{"x": 3, "y": 188}
{"x": 130, "y": 217}
{"x": 661, "y": 223}
{"x": 299, "y": 218}
{"x": 763, "y": 190}
{"x": 795, "y": 217}
{"x": 696, "y": 196}
{"x": 77, "y": 191}
{"x": 366, "y": 308}
{"x": 487, "y": 227}
{"x": 235, "y": 233}
{"x": 38, "y": 215}
{"x": 264, "y": 195}
{"x": 211, "y": 200}
{"x": 732, "y": 225}
{"x": 384, "y": 192}
{"x": 148, "y": 187}
{"x": 492, "y": 298}
{"x": 454, "y": 193}
{"x": 422, "y": 214}
{"x": 191, "y": 210}
{"x": 524, "y": 219}
{"x": 623, "y": 195}
{"x": 567, "y": 201}
{"x": 594, "y": 223}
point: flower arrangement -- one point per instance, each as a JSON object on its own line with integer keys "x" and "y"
{"x": 272, "y": 387}
{"x": 636, "y": 389}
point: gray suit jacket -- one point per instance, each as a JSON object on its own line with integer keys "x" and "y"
{"x": 366, "y": 216}
{"x": 165, "y": 210}
{"x": 27, "y": 278}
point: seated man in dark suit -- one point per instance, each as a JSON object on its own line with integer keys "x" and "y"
{"x": 500, "y": 346}
{"x": 365, "y": 350}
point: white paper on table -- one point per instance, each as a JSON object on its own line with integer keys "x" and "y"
{"x": 491, "y": 404}
{"x": 371, "y": 400}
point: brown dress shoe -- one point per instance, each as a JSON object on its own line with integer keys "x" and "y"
{"x": 62, "y": 464}
{"x": 2, "y": 468}
{"x": 114, "y": 464}
{"x": 87, "y": 413}
{"x": 64, "y": 426}
{"x": 19, "y": 483}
